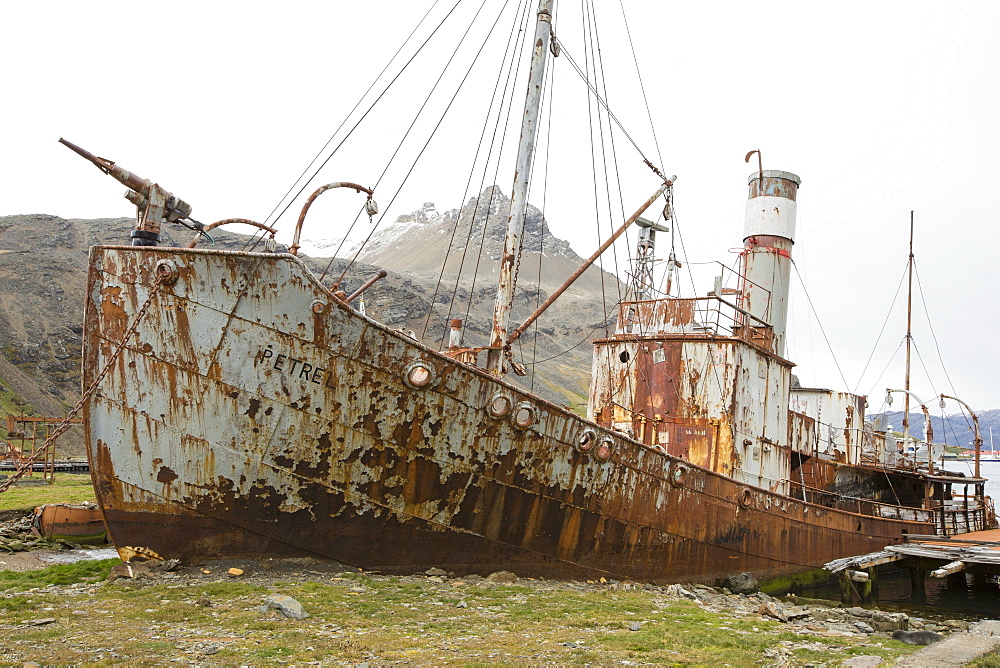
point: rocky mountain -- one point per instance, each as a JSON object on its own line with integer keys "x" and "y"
{"x": 43, "y": 274}
{"x": 952, "y": 429}
{"x": 468, "y": 242}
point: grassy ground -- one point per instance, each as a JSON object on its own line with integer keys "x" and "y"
{"x": 11, "y": 403}
{"x": 67, "y": 488}
{"x": 991, "y": 660}
{"x": 62, "y": 574}
{"x": 66, "y": 614}
{"x": 198, "y": 617}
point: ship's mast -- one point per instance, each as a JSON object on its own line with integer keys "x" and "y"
{"x": 519, "y": 199}
{"x": 909, "y": 335}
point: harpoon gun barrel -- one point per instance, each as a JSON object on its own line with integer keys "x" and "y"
{"x": 154, "y": 204}
{"x": 125, "y": 177}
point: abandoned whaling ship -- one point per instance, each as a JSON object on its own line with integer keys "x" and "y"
{"x": 237, "y": 406}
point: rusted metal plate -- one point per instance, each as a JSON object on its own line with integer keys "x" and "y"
{"x": 77, "y": 524}
{"x": 242, "y": 421}
{"x": 839, "y": 421}
{"x": 775, "y": 183}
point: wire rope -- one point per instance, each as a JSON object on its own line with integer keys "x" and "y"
{"x": 551, "y": 88}
{"x": 927, "y": 373}
{"x": 878, "y": 339}
{"x": 592, "y": 92}
{"x": 599, "y": 62}
{"x": 437, "y": 127}
{"x": 887, "y": 364}
{"x": 601, "y": 102}
{"x": 821, "y": 328}
{"x": 930, "y": 326}
{"x": 642, "y": 87}
{"x": 367, "y": 111}
{"x": 493, "y": 191}
{"x": 353, "y": 109}
{"x": 465, "y": 194}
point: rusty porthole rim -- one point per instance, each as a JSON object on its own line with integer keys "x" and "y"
{"x": 500, "y": 394}
{"x": 166, "y": 272}
{"x": 533, "y": 413}
{"x": 319, "y": 306}
{"x": 607, "y": 443}
{"x": 746, "y": 497}
{"x": 585, "y": 440}
{"x": 678, "y": 474}
{"x": 420, "y": 364}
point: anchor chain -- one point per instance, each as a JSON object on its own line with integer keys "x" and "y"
{"x": 29, "y": 463}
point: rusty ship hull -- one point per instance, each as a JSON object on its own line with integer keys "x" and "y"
{"x": 254, "y": 414}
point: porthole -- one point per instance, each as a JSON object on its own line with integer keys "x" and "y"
{"x": 524, "y": 415}
{"x": 585, "y": 440}
{"x": 678, "y": 474}
{"x": 500, "y": 405}
{"x": 604, "y": 449}
{"x": 624, "y": 356}
{"x": 419, "y": 374}
{"x": 166, "y": 272}
{"x": 318, "y": 306}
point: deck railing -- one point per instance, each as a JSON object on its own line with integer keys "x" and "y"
{"x": 959, "y": 515}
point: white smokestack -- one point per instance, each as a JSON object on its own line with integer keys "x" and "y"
{"x": 769, "y": 234}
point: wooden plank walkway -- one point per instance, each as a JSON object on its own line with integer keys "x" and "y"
{"x": 979, "y": 548}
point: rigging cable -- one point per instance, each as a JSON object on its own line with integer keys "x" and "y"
{"x": 674, "y": 233}
{"x": 947, "y": 425}
{"x": 821, "y": 328}
{"x": 684, "y": 253}
{"x": 551, "y": 89}
{"x": 642, "y": 87}
{"x": 458, "y": 219}
{"x": 564, "y": 51}
{"x": 370, "y": 107}
{"x": 353, "y": 109}
{"x": 599, "y": 63}
{"x": 924, "y": 367}
{"x": 886, "y": 367}
{"x": 602, "y": 80}
{"x": 937, "y": 347}
{"x": 592, "y": 92}
{"x": 493, "y": 190}
{"x": 878, "y": 339}
{"x": 437, "y": 126}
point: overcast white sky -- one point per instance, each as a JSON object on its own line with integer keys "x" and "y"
{"x": 880, "y": 107}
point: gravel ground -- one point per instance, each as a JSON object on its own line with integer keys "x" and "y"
{"x": 82, "y": 618}
{"x": 83, "y": 623}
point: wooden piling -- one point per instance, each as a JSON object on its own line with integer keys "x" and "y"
{"x": 873, "y": 581}
{"x": 846, "y": 595}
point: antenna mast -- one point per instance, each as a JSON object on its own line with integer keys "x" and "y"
{"x": 519, "y": 199}
{"x": 909, "y": 335}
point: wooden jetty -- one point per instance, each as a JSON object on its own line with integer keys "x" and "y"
{"x": 976, "y": 553}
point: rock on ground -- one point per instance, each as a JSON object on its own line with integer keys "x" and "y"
{"x": 741, "y": 583}
{"x": 286, "y": 605}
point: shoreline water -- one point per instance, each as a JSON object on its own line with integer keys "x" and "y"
{"x": 979, "y": 602}
{"x": 989, "y": 470}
